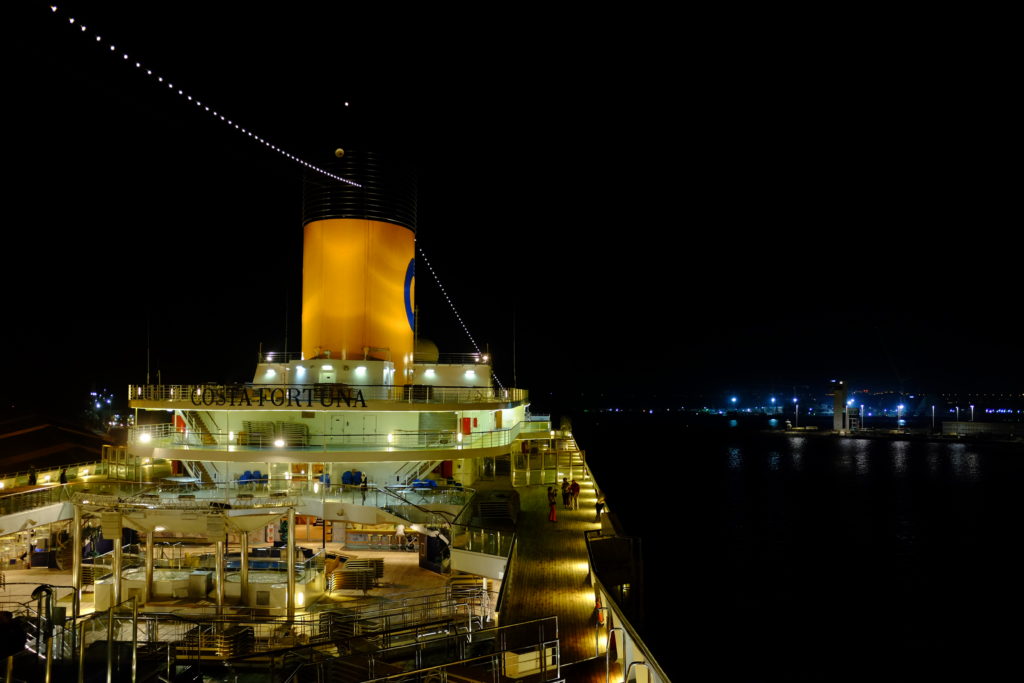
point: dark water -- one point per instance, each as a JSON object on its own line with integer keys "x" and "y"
{"x": 773, "y": 557}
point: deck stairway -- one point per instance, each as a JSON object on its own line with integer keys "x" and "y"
{"x": 198, "y": 426}
{"x": 65, "y": 556}
{"x": 199, "y": 470}
{"x": 415, "y": 470}
{"x": 495, "y": 509}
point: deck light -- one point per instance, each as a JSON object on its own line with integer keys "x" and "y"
{"x": 145, "y": 437}
{"x": 279, "y": 443}
{"x": 360, "y": 371}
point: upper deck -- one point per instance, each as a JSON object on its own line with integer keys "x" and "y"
{"x": 320, "y": 397}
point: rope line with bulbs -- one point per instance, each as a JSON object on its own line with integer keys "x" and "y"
{"x": 205, "y": 107}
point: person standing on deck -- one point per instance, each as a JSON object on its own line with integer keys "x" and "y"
{"x": 574, "y": 495}
{"x": 552, "y": 505}
{"x": 363, "y": 488}
{"x": 565, "y": 493}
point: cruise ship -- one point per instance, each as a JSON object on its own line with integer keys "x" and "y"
{"x": 365, "y": 508}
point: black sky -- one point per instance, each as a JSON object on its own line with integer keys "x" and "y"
{"x": 666, "y": 208}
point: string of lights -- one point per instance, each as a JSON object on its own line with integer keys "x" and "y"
{"x": 112, "y": 48}
{"x": 454, "y": 310}
{"x": 181, "y": 92}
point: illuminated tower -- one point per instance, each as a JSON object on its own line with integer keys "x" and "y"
{"x": 839, "y": 406}
{"x": 358, "y": 263}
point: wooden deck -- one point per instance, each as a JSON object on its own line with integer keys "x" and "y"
{"x": 550, "y": 575}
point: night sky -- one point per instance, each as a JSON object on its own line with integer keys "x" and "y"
{"x": 665, "y": 209}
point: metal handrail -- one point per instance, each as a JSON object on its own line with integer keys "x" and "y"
{"x": 442, "y": 517}
{"x": 166, "y": 435}
{"x": 278, "y": 356}
{"x": 471, "y": 358}
{"x": 220, "y": 396}
{"x": 499, "y": 635}
{"x": 492, "y": 541}
{"x": 36, "y": 498}
{"x": 620, "y": 617}
{"x": 48, "y": 470}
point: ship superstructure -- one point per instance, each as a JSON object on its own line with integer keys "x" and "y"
{"x": 294, "y": 487}
{"x": 359, "y": 395}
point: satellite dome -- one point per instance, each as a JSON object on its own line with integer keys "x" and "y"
{"x": 426, "y": 351}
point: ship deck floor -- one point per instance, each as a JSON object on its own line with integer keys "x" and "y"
{"x": 554, "y": 555}
{"x": 549, "y": 554}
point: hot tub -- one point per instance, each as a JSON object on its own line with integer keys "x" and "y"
{"x": 167, "y": 583}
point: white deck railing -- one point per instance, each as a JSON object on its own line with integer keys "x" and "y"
{"x": 166, "y": 435}
{"x": 312, "y": 396}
